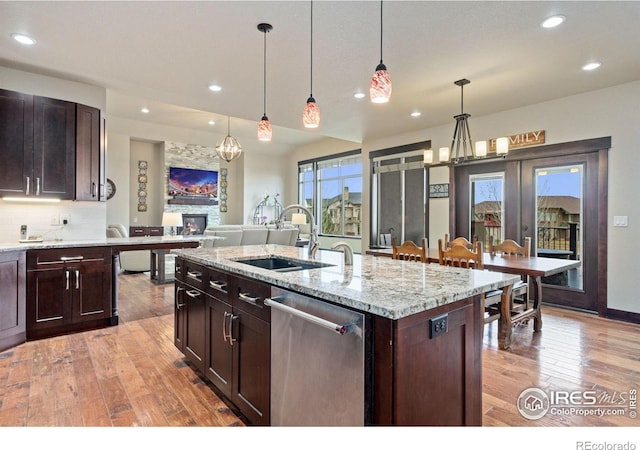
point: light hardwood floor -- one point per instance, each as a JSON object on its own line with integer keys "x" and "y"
{"x": 132, "y": 375}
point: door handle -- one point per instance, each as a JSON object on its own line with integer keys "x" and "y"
{"x": 178, "y": 296}
{"x": 66, "y": 273}
{"x": 77, "y": 279}
{"x": 224, "y": 326}
{"x": 27, "y": 190}
{"x": 231, "y": 338}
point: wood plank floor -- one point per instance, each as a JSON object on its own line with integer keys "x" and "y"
{"x": 132, "y": 375}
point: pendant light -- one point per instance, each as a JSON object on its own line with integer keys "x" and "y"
{"x": 228, "y": 148}
{"x": 380, "y": 88}
{"x": 311, "y": 113}
{"x": 264, "y": 127}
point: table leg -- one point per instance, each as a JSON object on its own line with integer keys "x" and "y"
{"x": 504, "y": 324}
{"x": 154, "y": 269}
{"x": 161, "y": 267}
{"x": 537, "y": 303}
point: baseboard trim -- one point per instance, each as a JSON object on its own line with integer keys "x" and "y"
{"x": 625, "y": 316}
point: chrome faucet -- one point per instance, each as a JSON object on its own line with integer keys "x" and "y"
{"x": 348, "y": 252}
{"x": 313, "y": 232}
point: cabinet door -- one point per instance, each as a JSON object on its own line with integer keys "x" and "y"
{"x": 54, "y": 160}
{"x": 89, "y": 154}
{"x": 219, "y": 351}
{"x": 12, "y": 299}
{"x": 91, "y": 291}
{"x": 252, "y": 367}
{"x": 48, "y": 297}
{"x": 16, "y": 142}
{"x": 195, "y": 326}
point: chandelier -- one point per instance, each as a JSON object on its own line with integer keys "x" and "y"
{"x": 228, "y": 148}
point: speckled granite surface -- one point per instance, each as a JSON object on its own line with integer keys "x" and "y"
{"x": 13, "y": 246}
{"x": 381, "y": 286}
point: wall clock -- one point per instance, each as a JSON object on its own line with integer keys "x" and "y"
{"x": 110, "y": 189}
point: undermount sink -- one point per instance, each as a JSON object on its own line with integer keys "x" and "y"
{"x": 279, "y": 264}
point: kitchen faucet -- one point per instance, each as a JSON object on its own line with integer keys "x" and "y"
{"x": 348, "y": 252}
{"x": 313, "y": 236}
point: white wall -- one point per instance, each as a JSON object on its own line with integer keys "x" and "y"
{"x": 118, "y": 149}
{"x": 264, "y": 175}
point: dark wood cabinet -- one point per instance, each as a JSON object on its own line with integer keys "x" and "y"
{"x": 12, "y": 299}
{"x": 68, "y": 290}
{"x": 54, "y": 164}
{"x": 141, "y": 231}
{"x": 235, "y": 333}
{"x": 16, "y": 142}
{"x": 90, "y": 162}
{"x": 50, "y": 148}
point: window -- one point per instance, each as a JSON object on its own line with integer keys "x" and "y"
{"x": 332, "y": 188}
{"x": 487, "y": 208}
{"x": 399, "y": 190}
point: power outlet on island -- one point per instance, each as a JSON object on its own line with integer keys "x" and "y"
{"x": 438, "y": 325}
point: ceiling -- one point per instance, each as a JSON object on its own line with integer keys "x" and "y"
{"x": 164, "y": 55}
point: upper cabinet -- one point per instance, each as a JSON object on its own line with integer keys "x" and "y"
{"x": 50, "y": 148}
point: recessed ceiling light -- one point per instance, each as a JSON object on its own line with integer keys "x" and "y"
{"x": 215, "y": 88}
{"x": 144, "y": 110}
{"x": 553, "y": 21}
{"x": 23, "y": 39}
{"x": 416, "y": 114}
{"x": 359, "y": 95}
{"x": 212, "y": 122}
{"x": 591, "y": 66}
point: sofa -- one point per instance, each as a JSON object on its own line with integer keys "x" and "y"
{"x": 250, "y": 235}
{"x": 132, "y": 260}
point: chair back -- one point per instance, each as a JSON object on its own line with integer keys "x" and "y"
{"x": 511, "y": 247}
{"x": 409, "y": 251}
{"x": 460, "y": 256}
{"x": 460, "y": 241}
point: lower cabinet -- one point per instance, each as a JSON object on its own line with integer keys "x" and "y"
{"x": 12, "y": 299}
{"x": 225, "y": 333}
{"x": 67, "y": 290}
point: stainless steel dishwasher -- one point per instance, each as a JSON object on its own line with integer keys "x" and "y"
{"x": 317, "y": 362}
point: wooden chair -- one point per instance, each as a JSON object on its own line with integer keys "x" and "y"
{"x": 521, "y": 289}
{"x": 409, "y": 251}
{"x": 461, "y": 256}
{"x": 460, "y": 241}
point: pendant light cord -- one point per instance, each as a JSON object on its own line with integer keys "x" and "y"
{"x": 462, "y": 99}
{"x": 265, "y": 75}
{"x": 380, "y": 31}
{"x": 311, "y": 52}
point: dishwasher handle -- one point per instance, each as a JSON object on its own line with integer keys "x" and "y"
{"x": 336, "y": 328}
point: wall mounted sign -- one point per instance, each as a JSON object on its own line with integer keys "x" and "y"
{"x": 439, "y": 190}
{"x": 521, "y": 140}
{"x": 142, "y": 186}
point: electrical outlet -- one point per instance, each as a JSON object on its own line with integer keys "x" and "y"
{"x": 55, "y": 220}
{"x": 64, "y": 218}
{"x": 438, "y": 325}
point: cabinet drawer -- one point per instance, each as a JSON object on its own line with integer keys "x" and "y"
{"x": 194, "y": 274}
{"x": 39, "y": 259}
{"x": 137, "y": 231}
{"x": 218, "y": 284}
{"x": 155, "y": 231}
{"x": 249, "y": 295}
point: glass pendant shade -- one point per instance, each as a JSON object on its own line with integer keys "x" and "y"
{"x": 228, "y": 148}
{"x": 502, "y": 146}
{"x": 427, "y": 156}
{"x": 311, "y": 114}
{"x": 380, "y": 88}
{"x": 443, "y": 154}
{"x": 481, "y": 149}
{"x": 264, "y": 130}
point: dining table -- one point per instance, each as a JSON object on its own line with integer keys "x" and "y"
{"x": 533, "y": 267}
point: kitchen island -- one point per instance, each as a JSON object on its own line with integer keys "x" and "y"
{"x": 422, "y": 330}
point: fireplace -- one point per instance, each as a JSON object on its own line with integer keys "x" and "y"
{"x": 193, "y": 224}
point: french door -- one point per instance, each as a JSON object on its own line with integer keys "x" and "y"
{"x": 554, "y": 194}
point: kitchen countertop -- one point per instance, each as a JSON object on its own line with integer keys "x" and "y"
{"x": 381, "y": 286}
{"x": 109, "y": 242}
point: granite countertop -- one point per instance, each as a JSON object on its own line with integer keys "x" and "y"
{"x": 109, "y": 242}
{"x": 381, "y": 286}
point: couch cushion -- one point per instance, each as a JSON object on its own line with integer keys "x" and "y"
{"x": 286, "y": 236}
{"x": 231, "y": 238}
{"x": 254, "y": 236}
